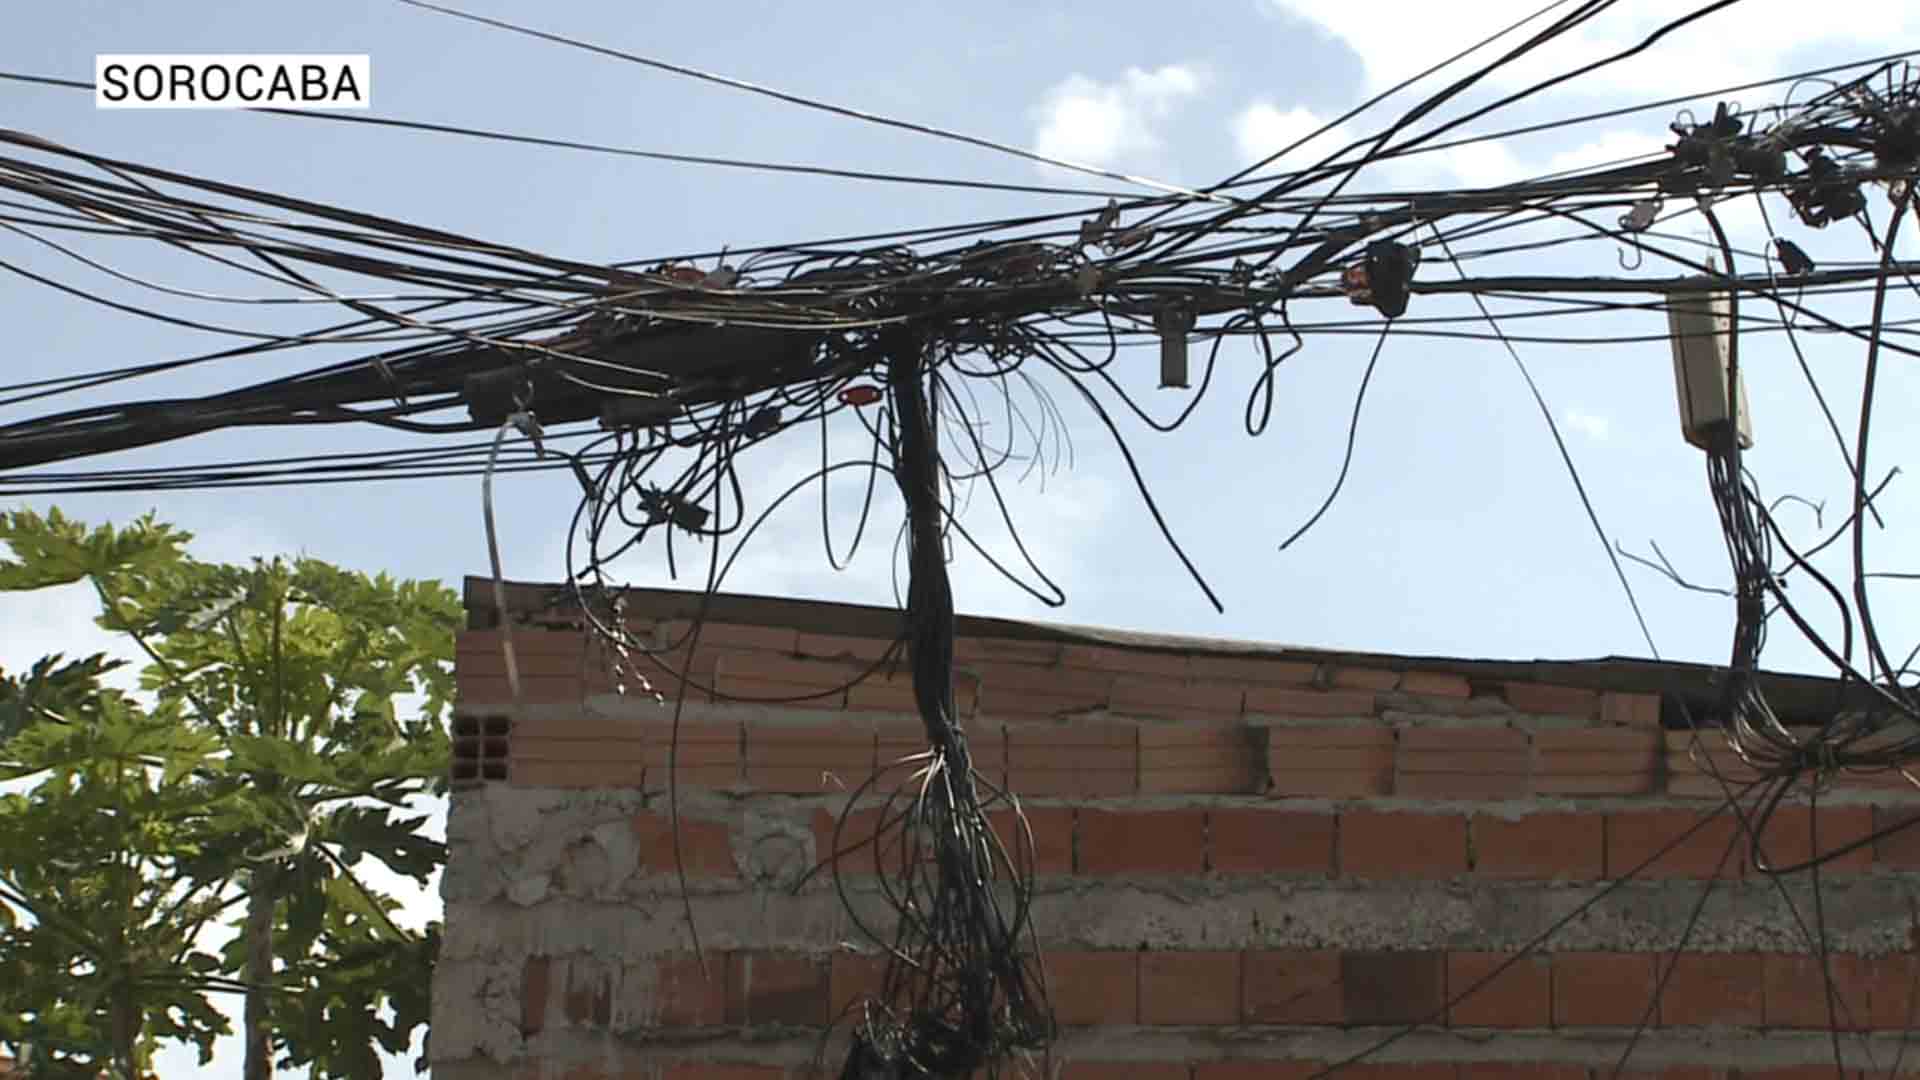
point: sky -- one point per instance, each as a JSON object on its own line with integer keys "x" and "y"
{"x": 1457, "y": 532}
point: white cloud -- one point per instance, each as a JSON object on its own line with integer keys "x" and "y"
{"x": 1264, "y": 128}
{"x": 61, "y": 620}
{"x": 1480, "y": 165}
{"x": 1592, "y": 426}
{"x": 1609, "y": 148}
{"x": 1094, "y": 123}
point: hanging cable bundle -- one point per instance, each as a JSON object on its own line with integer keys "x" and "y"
{"x": 960, "y": 995}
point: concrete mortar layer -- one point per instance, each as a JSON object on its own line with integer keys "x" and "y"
{"x": 558, "y": 1053}
{"x": 476, "y": 1010}
{"x": 1866, "y": 916}
{"x": 525, "y": 807}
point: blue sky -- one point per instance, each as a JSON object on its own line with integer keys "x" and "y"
{"x": 1458, "y": 532}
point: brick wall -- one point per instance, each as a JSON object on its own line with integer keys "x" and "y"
{"x": 1246, "y": 867}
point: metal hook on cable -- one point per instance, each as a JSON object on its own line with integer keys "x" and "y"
{"x": 1637, "y": 220}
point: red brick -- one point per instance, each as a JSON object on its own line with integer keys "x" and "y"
{"x": 1175, "y": 699}
{"x": 1593, "y": 784}
{"x": 580, "y": 752}
{"x": 1125, "y": 1070}
{"x": 577, "y": 774}
{"x": 808, "y": 760}
{"x": 1481, "y": 740}
{"x": 535, "y": 989}
{"x": 588, "y": 1000}
{"x": 1601, "y": 989}
{"x": 857, "y": 852}
{"x": 1393, "y": 987}
{"x": 1889, "y": 780}
{"x": 686, "y": 997}
{"x": 535, "y": 689}
{"x": 648, "y": 749}
{"x": 1526, "y": 1070}
{"x": 1435, "y": 684}
{"x": 1290, "y": 742}
{"x": 469, "y": 667}
{"x": 1142, "y": 841}
{"x": 1052, "y": 829}
{"x": 766, "y": 678}
{"x": 675, "y": 673}
{"x": 1640, "y": 711}
{"x": 1189, "y": 988}
{"x": 1258, "y": 1070}
{"x": 1597, "y": 761}
{"x": 1353, "y": 762}
{"x": 893, "y": 693}
{"x": 1012, "y": 690}
{"x": 1246, "y": 841}
{"x": 971, "y": 650}
{"x": 1551, "y": 742}
{"x": 1463, "y": 763}
{"x": 853, "y": 978}
{"x": 1550, "y": 846}
{"x": 531, "y": 660}
{"x": 586, "y": 996}
{"x": 1091, "y": 760}
{"x": 1891, "y": 991}
{"x": 1717, "y": 769}
{"x": 1399, "y": 1070}
{"x": 1636, "y": 836}
{"x": 1796, "y": 992}
{"x": 1293, "y": 987}
{"x": 1493, "y": 783}
{"x": 562, "y": 731}
{"x": 1552, "y": 700}
{"x": 777, "y": 988}
{"x": 1900, "y": 848}
{"x": 774, "y": 639}
{"x": 1220, "y": 761}
{"x": 1125, "y": 661}
{"x": 706, "y": 847}
{"x": 1331, "y": 784}
{"x": 900, "y": 749}
{"x": 1088, "y": 989}
{"x": 1788, "y": 838}
{"x": 1705, "y": 989}
{"x": 894, "y": 741}
{"x": 1288, "y": 701}
{"x": 868, "y": 650}
{"x": 526, "y": 640}
{"x": 1517, "y": 997}
{"x": 1360, "y": 678}
{"x": 1252, "y": 669}
{"x": 1386, "y": 844}
{"x": 1051, "y": 775}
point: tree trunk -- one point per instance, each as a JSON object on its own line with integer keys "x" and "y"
{"x": 262, "y": 891}
{"x": 126, "y": 1029}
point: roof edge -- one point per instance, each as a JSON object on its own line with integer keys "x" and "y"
{"x": 1699, "y": 685}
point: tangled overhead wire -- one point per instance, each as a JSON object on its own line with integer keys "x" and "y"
{"x": 960, "y": 995}
{"x": 687, "y": 364}
{"x": 1875, "y": 726}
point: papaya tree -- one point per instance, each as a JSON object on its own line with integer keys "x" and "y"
{"x": 101, "y": 902}
{"x": 296, "y": 671}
